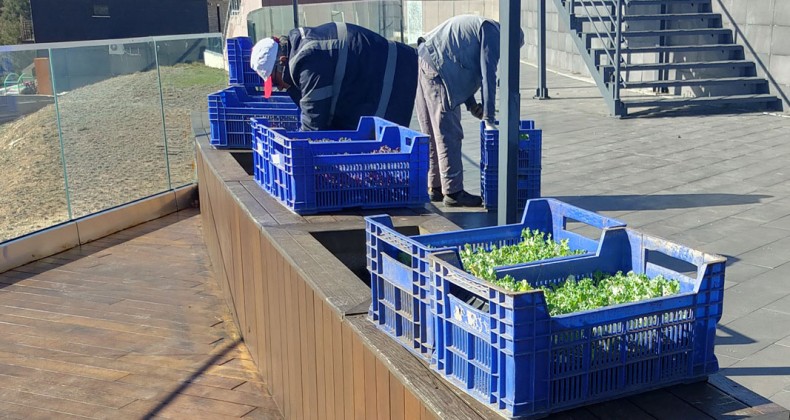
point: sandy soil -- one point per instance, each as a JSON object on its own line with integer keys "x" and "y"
{"x": 114, "y": 148}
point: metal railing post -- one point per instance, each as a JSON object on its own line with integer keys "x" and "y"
{"x": 510, "y": 103}
{"x": 618, "y": 44}
{"x": 542, "y": 92}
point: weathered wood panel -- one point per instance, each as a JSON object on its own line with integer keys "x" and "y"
{"x": 322, "y": 361}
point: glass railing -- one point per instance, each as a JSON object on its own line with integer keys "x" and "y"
{"x": 384, "y": 17}
{"x": 88, "y": 126}
{"x": 397, "y": 20}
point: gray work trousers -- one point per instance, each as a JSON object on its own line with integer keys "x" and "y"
{"x": 443, "y": 125}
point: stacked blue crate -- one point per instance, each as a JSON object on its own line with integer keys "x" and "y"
{"x": 230, "y": 111}
{"x": 529, "y": 164}
{"x": 239, "y": 55}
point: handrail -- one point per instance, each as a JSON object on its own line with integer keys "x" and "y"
{"x": 594, "y": 16}
{"x": 618, "y": 56}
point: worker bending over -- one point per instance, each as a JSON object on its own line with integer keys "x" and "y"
{"x": 456, "y": 59}
{"x": 339, "y": 72}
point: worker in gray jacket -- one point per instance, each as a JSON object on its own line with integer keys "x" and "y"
{"x": 455, "y": 60}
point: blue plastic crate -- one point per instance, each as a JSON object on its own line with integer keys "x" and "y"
{"x": 527, "y": 187}
{"x": 401, "y": 292}
{"x": 528, "y": 165}
{"x": 230, "y": 111}
{"x": 529, "y": 146}
{"x": 239, "y": 70}
{"x": 316, "y": 171}
{"x": 507, "y": 351}
{"x": 235, "y": 95}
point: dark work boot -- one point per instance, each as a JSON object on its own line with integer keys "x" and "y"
{"x": 435, "y": 194}
{"x": 462, "y": 199}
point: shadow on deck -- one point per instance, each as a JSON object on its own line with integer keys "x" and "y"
{"x": 129, "y": 326}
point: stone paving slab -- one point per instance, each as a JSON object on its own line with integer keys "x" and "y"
{"x": 718, "y": 182}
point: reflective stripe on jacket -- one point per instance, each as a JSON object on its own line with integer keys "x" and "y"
{"x": 337, "y": 79}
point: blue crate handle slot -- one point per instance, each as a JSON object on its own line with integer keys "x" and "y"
{"x": 618, "y": 248}
{"x": 538, "y": 213}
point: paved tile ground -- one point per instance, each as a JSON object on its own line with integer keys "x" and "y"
{"x": 719, "y": 183}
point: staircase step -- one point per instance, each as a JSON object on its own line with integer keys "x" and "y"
{"x": 673, "y": 48}
{"x": 695, "y": 82}
{"x": 701, "y": 100}
{"x": 674, "y": 16}
{"x": 633, "y": 2}
{"x": 681, "y": 66}
{"x": 664, "y": 33}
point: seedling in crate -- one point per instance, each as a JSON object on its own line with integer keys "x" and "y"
{"x": 535, "y": 245}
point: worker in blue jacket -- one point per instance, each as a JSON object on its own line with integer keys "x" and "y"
{"x": 456, "y": 59}
{"x": 339, "y": 72}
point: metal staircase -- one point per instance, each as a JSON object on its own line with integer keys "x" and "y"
{"x": 669, "y": 54}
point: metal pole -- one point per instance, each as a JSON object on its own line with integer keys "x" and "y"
{"x": 618, "y": 43}
{"x": 542, "y": 92}
{"x": 296, "y": 13}
{"x": 510, "y": 101}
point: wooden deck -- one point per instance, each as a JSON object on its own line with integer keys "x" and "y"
{"x": 129, "y": 326}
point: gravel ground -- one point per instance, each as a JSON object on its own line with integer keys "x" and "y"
{"x": 113, "y": 147}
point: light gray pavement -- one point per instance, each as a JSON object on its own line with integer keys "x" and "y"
{"x": 719, "y": 183}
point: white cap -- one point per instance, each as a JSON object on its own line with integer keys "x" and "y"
{"x": 263, "y": 57}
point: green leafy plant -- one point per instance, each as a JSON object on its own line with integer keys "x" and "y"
{"x": 535, "y": 245}
{"x": 572, "y": 295}
{"x": 601, "y": 290}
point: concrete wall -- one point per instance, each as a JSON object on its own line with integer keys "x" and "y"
{"x": 763, "y": 28}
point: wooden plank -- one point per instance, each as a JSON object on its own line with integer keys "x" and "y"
{"x": 249, "y": 237}
{"x": 295, "y": 358}
{"x": 280, "y": 213}
{"x": 397, "y": 399}
{"x": 238, "y": 268}
{"x": 291, "y": 359}
{"x": 261, "y": 357}
{"x": 320, "y": 371}
{"x": 315, "y": 261}
{"x": 360, "y": 386}
{"x": 339, "y": 371}
{"x": 329, "y": 361}
{"x": 371, "y": 402}
{"x": 16, "y": 411}
{"x": 55, "y": 407}
{"x": 49, "y": 383}
{"x": 348, "y": 372}
{"x": 280, "y": 385}
{"x": 269, "y": 268}
{"x": 382, "y": 389}
{"x": 250, "y": 204}
{"x": 418, "y": 379}
{"x": 426, "y": 414}
{"x": 412, "y": 408}
{"x": 14, "y": 303}
{"x": 61, "y": 366}
{"x": 308, "y": 350}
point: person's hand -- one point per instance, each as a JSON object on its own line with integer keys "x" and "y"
{"x": 490, "y": 125}
{"x": 477, "y": 111}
